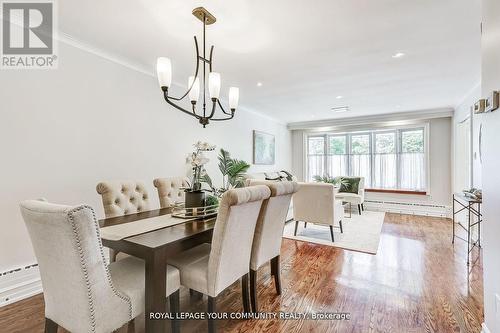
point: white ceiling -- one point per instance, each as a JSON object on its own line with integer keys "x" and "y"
{"x": 305, "y": 53}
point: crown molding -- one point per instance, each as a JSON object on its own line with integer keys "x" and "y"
{"x": 381, "y": 119}
{"x": 469, "y": 93}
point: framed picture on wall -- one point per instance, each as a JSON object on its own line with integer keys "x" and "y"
{"x": 264, "y": 148}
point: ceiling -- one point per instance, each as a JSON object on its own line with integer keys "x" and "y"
{"x": 305, "y": 53}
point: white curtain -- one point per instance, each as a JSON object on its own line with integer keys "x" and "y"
{"x": 412, "y": 171}
{"x": 360, "y": 166}
{"x": 337, "y": 165}
{"x": 385, "y": 171}
{"x": 316, "y": 166}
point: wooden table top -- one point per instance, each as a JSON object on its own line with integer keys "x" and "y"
{"x": 160, "y": 237}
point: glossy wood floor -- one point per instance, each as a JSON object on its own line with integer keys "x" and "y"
{"x": 418, "y": 282}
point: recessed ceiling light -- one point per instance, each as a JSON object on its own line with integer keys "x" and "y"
{"x": 398, "y": 55}
{"x": 259, "y": 84}
{"x": 340, "y": 109}
{"x": 339, "y": 97}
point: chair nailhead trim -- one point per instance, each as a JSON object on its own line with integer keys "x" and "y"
{"x": 84, "y": 267}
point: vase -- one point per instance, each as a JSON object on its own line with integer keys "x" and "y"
{"x": 194, "y": 199}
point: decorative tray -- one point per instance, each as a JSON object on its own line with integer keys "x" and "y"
{"x": 183, "y": 212}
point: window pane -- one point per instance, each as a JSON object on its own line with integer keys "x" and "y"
{"x": 316, "y": 145}
{"x": 360, "y": 144}
{"x": 337, "y": 145}
{"x": 412, "y": 141}
{"x": 385, "y": 143}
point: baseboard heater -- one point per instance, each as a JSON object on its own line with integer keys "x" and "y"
{"x": 19, "y": 283}
{"x": 412, "y": 208}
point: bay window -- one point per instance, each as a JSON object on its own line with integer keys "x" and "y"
{"x": 390, "y": 159}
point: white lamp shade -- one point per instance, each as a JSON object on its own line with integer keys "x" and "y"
{"x": 194, "y": 93}
{"x": 234, "y": 96}
{"x": 214, "y": 84}
{"x": 164, "y": 71}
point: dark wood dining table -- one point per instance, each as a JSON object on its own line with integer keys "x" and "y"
{"x": 154, "y": 247}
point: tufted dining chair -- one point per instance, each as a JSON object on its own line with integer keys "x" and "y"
{"x": 209, "y": 269}
{"x": 122, "y": 198}
{"x": 170, "y": 190}
{"x": 269, "y": 232}
{"x": 82, "y": 293}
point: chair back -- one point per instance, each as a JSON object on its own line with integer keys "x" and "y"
{"x": 123, "y": 198}
{"x": 233, "y": 236}
{"x": 314, "y": 202}
{"x": 169, "y": 190}
{"x": 271, "y": 222}
{"x": 77, "y": 288}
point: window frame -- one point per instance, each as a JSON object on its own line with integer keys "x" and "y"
{"x": 372, "y": 131}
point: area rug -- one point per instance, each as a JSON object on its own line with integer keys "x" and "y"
{"x": 361, "y": 232}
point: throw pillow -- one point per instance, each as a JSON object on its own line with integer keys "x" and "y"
{"x": 349, "y": 184}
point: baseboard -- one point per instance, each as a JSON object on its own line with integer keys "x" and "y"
{"x": 408, "y": 208}
{"x": 19, "y": 283}
{"x": 484, "y": 328}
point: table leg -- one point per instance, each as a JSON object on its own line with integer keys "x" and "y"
{"x": 468, "y": 236}
{"x": 156, "y": 286}
{"x": 479, "y": 224}
{"x": 453, "y": 219}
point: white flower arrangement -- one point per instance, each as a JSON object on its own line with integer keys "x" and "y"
{"x": 198, "y": 160}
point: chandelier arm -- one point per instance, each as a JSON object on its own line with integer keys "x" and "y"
{"x": 214, "y": 104}
{"x": 210, "y": 61}
{"x": 193, "y": 114}
{"x": 222, "y": 108}
{"x": 195, "y": 73}
{"x": 221, "y": 119}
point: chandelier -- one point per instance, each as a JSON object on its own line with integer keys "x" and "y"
{"x": 164, "y": 71}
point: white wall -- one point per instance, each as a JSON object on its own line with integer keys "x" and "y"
{"x": 62, "y": 131}
{"x": 491, "y": 163}
{"x": 440, "y": 165}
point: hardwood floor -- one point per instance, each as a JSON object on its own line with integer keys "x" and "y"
{"x": 417, "y": 282}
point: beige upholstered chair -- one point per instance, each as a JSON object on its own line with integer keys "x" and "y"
{"x": 122, "y": 198}
{"x": 268, "y": 233}
{"x": 354, "y": 198}
{"x": 170, "y": 190}
{"x": 209, "y": 269}
{"x": 81, "y": 293}
{"x": 316, "y": 203}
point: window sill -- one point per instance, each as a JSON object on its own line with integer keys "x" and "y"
{"x": 377, "y": 190}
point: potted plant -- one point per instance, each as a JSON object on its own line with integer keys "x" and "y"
{"x": 232, "y": 171}
{"x": 195, "y": 196}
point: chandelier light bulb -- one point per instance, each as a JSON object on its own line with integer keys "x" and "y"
{"x": 214, "y": 85}
{"x": 234, "y": 95}
{"x": 164, "y": 71}
{"x": 194, "y": 93}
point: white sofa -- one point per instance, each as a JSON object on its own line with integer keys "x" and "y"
{"x": 354, "y": 198}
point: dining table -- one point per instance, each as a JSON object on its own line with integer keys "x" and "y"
{"x": 154, "y": 247}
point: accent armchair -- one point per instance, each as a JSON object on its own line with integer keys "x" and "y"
{"x": 315, "y": 203}
{"x": 354, "y": 198}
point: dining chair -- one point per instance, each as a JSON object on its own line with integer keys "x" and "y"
{"x": 122, "y": 198}
{"x": 209, "y": 269}
{"x": 269, "y": 232}
{"x": 316, "y": 203}
{"x": 170, "y": 190}
{"x": 82, "y": 293}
